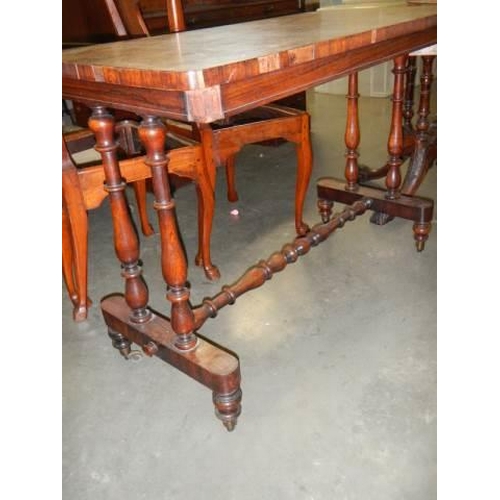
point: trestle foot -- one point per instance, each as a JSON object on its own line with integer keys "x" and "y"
{"x": 414, "y": 208}
{"x": 209, "y": 364}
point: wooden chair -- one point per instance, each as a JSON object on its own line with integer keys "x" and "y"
{"x": 83, "y": 190}
{"x": 224, "y": 139}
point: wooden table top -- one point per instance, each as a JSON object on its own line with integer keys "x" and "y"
{"x": 208, "y": 60}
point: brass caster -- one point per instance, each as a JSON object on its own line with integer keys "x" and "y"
{"x": 420, "y": 245}
{"x": 228, "y": 408}
{"x": 230, "y": 425}
{"x": 120, "y": 343}
{"x": 421, "y": 234}
{"x": 124, "y": 352}
{"x": 134, "y": 355}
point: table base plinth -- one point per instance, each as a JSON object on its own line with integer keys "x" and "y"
{"x": 418, "y": 209}
{"x": 211, "y": 365}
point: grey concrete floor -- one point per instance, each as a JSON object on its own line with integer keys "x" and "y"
{"x": 338, "y": 352}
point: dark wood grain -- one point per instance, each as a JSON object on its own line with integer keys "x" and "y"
{"x": 174, "y": 266}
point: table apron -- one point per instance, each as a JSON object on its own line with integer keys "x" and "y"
{"x": 291, "y": 80}
{"x": 143, "y": 101}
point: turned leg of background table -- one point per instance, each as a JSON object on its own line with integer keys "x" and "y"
{"x": 391, "y": 202}
{"x": 367, "y": 174}
{"x": 425, "y": 140}
{"x": 352, "y": 134}
{"x": 411, "y": 71}
{"x": 395, "y": 142}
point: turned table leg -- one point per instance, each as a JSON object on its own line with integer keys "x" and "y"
{"x": 395, "y": 142}
{"x": 352, "y": 138}
{"x": 424, "y": 149}
{"x": 352, "y": 134}
{"x": 411, "y": 71}
{"x": 128, "y": 317}
{"x": 391, "y": 202}
{"x": 425, "y": 95}
{"x": 368, "y": 174}
{"x": 208, "y": 364}
{"x": 101, "y": 122}
{"x": 173, "y": 261}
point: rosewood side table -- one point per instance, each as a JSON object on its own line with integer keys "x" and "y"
{"x": 207, "y": 75}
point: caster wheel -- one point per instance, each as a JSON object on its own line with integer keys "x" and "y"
{"x": 135, "y": 355}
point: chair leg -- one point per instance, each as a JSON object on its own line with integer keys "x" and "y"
{"x": 140, "y": 191}
{"x": 232, "y": 194}
{"x": 67, "y": 257}
{"x": 304, "y": 170}
{"x": 205, "y": 189}
{"x": 205, "y": 218}
{"x": 206, "y": 206}
{"x": 78, "y": 224}
{"x": 75, "y": 230}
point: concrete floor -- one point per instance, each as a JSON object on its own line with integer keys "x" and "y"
{"x": 338, "y": 353}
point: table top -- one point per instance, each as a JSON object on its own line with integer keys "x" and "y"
{"x": 204, "y": 61}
